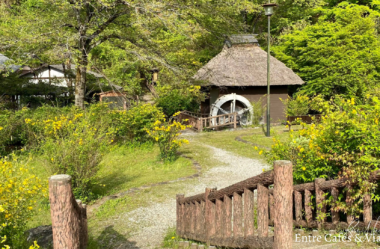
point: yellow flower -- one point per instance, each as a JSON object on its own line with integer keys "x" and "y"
{"x": 256, "y": 148}
{"x": 30, "y": 208}
{"x": 261, "y": 152}
{"x": 263, "y": 170}
{"x": 303, "y": 168}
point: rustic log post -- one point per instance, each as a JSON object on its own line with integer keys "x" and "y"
{"x": 334, "y": 214}
{"x": 235, "y": 120}
{"x": 192, "y": 219}
{"x": 200, "y": 124}
{"x": 227, "y": 214}
{"x": 209, "y": 216}
{"x": 202, "y": 234}
{"x": 321, "y": 206}
{"x": 68, "y": 217}
{"x": 187, "y": 220}
{"x": 198, "y": 222}
{"x": 271, "y": 208}
{"x": 238, "y": 215}
{"x": 249, "y": 222}
{"x": 350, "y": 217}
{"x": 282, "y": 193}
{"x": 179, "y": 213}
{"x": 298, "y": 205}
{"x": 367, "y": 209}
{"x": 308, "y": 207}
{"x": 262, "y": 210}
{"x": 218, "y": 218}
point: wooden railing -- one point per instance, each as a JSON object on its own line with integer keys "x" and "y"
{"x": 202, "y": 121}
{"x": 305, "y": 214}
{"x": 226, "y": 217}
{"x": 209, "y": 217}
{"x": 68, "y": 216}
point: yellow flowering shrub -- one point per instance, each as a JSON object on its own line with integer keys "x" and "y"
{"x": 345, "y": 143}
{"x": 167, "y": 137}
{"x": 19, "y": 190}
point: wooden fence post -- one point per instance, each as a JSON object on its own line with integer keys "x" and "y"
{"x": 209, "y": 215}
{"x": 334, "y": 214}
{"x": 235, "y": 121}
{"x": 350, "y": 217}
{"x": 271, "y": 209}
{"x": 298, "y": 205}
{"x": 282, "y": 194}
{"x": 262, "y": 210}
{"x": 319, "y": 199}
{"x": 200, "y": 124}
{"x": 179, "y": 213}
{"x": 308, "y": 208}
{"x": 238, "y": 215}
{"x": 249, "y": 224}
{"x": 69, "y": 219}
{"x": 367, "y": 209}
{"x": 227, "y": 213}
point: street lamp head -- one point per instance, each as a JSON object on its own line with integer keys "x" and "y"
{"x": 269, "y": 8}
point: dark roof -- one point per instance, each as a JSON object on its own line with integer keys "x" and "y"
{"x": 241, "y": 39}
{"x": 3, "y": 66}
{"x": 59, "y": 67}
{"x": 245, "y": 65}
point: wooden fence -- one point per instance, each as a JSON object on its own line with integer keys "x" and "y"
{"x": 203, "y": 121}
{"x": 68, "y": 216}
{"x": 226, "y": 217}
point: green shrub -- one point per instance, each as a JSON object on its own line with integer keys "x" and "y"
{"x": 132, "y": 124}
{"x": 166, "y": 135}
{"x": 19, "y": 192}
{"x": 346, "y": 143}
{"x": 297, "y": 106}
{"x": 180, "y": 100}
{"x": 258, "y": 112}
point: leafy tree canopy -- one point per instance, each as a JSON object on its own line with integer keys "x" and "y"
{"x": 339, "y": 54}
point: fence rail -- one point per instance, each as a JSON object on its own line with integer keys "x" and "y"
{"x": 203, "y": 121}
{"x": 69, "y": 216}
{"x": 226, "y": 217}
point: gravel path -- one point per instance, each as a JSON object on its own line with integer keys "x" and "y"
{"x": 151, "y": 223}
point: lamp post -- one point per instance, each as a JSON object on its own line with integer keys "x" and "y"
{"x": 268, "y": 12}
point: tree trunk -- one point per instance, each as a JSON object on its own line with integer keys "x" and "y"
{"x": 80, "y": 84}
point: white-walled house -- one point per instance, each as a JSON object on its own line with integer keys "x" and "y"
{"x": 57, "y": 75}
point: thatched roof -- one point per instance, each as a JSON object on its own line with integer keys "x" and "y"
{"x": 246, "y": 65}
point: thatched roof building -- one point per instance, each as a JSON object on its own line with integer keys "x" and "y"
{"x": 241, "y": 68}
{"x": 243, "y": 63}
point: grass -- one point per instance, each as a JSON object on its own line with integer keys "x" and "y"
{"x": 123, "y": 168}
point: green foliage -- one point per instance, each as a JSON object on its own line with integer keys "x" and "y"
{"x": 344, "y": 144}
{"x": 180, "y": 100}
{"x": 132, "y": 124}
{"x": 296, "y": 106}
{"x": 339, "y": 54}
{"x": 19, "y": 190}
{"x": 166, "y": 135}
{"x": 258, "y": 112}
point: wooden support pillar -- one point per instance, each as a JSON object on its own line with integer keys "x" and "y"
{"x": 69, "y": 219}
{"x": 187, "y": 219}
{"x": 238, "y": 215}
{"x": 209, "y": 216}
{"x": 308, "y": 207}
{"x": 282, "y": 193}
{"x": 334, "y": 214}
{"x": 262, "y": 210}
{"x": 298, "y": 205}
{"x": 235, "y": 120}
{"x": 249, "y": 222}
{"x": 218, "y": 218}
{"x": 367, "y": 209}
{"x": 179, "y": 213}
{"x": 227, "y": 214}
{"x": 321, "y": 206}
{"x": 271, "y": 208}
